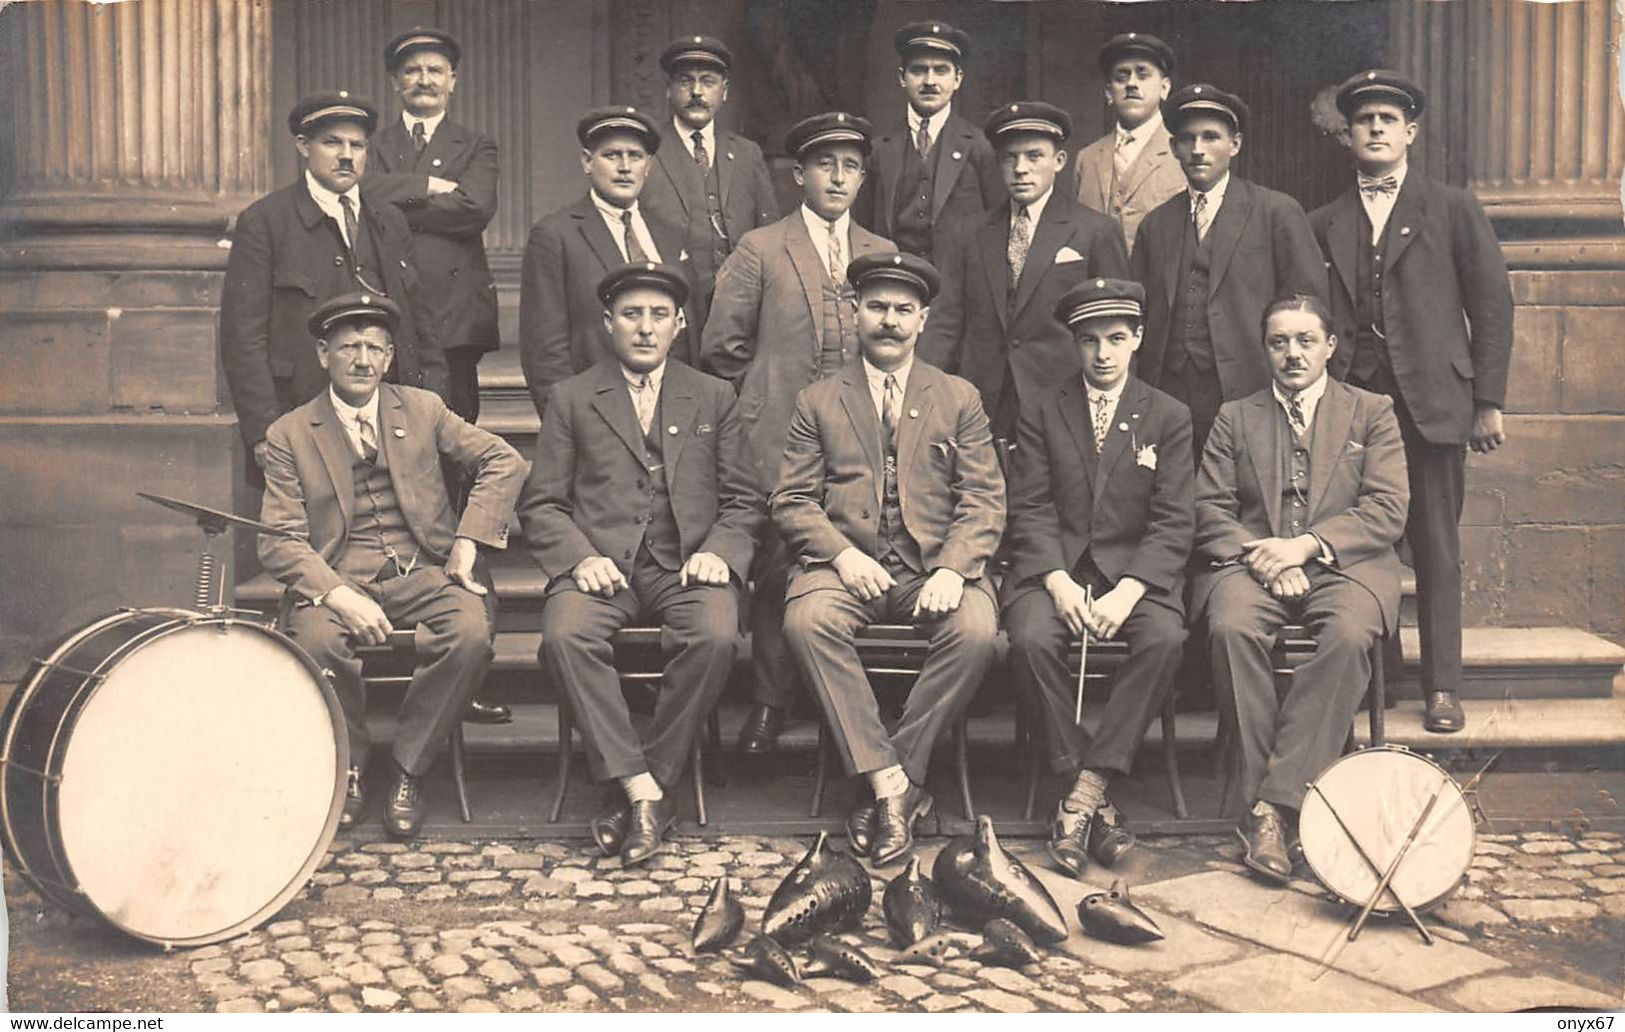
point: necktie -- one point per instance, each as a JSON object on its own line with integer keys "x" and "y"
{"x": 888, "y": 412}
{"x": 1021, "y": 238}
{"x": 418, "y": 139}
{"x": 1199, "y": 216}
{"x": 702, "y": 157}
{"x": 1120, "y": 160}
{"x": 634, "y": 250}
{"x": 1294, "y": 412}
{"x": 1102, "y": 422}
{"x": 837, "y": 263}
{"x": 349, "y": 220}
{"x": 369, "y": 437}
{"x": 922, "y": 139}
{"x": 1372, "y": 187}
{"x": 643, "y": 397}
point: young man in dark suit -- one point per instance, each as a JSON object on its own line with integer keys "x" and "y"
{"x": 1299, "y": 502}
{"x": 561, "y": 324}
{"x": 1100, "y": 531}
{"x": 891, "y": 504}
{"x": 705, "y": 178}
{"x": 935, "y": 174}
{"x": 642, "y": 505}
{"x": 995, "y": 321}
{"x": 1212, "y": 258}
{"x": 1421, "y": 299}
{"x": 443, "y": 178}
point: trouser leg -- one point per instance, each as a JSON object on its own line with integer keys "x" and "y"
{"x": 579, "y": 656}
{"x": 1438, "y": 488}
{"x": 1155, "y": 635}
{"x": 1039, "y": 643}
{"x": 961, "y": 650}
{"x": 819, "y": 627}
{"x": 702, "y": 623}
{"x": 1243, "y": 619}
{"x": 320, "y": 633}
{"x": 776, "y": 675}
{"x": 463, "y": 382}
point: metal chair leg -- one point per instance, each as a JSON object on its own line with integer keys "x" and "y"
{"x": 962, "y": 761}
{"x": 821, "y": 773}
{"x": 1378, "y": 692}
{"x": 1170, "y": 756}
{"x": 713, "y": 755}
{"x": 1029, "y": 762}
{"x": 697, "y": 762}
{"x": 459, "y": 776}
{"x": 565, "y": 730}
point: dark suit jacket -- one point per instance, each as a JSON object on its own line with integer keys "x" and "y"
{"x": 561, "y": 322}
{"x": 287, "y": 257}
{"x": 1358, "y": 492}
{"x": 1154, "y": 177}
{"x": 1262, "y": 248}
{"x": 966, "y": 185}
{"x": 309, "y": 486}
{"x": 1443, "y": 263}
{"x": 676, "y": 192}
{"x": 971, "y": 330}
{"x": 460, "y": 297}
{"x": 831, "y": 479}
{"x": 586, "y": 495}
{"x": 1129, "y": 509}
{"x": 765, "y": 325}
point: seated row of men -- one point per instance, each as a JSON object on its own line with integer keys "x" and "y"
{"x": 644, "y": 504}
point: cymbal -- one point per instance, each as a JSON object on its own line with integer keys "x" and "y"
{"x": 214, "y": 521}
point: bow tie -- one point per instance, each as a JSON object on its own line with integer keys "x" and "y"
{"x": 1371, "y": 186}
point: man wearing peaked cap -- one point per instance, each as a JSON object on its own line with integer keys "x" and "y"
{"x": 1132, "y": 169}
{"x": 994, "y": 323}
{"x": 309, "y": 241}
{"x": 1422, "y": 307}
{"x": 1100, "y": 532}
{"x": 935, "y": 173}
{"x": 388, "y": 553}
{"x": 642, "y": 506}
{"x": 1211, "y": 258}
{"x": 561, "y": 325}
{"x": 890, "y": 499}
{"x": 712, "y": 181}
{"x": 783, "y": 298}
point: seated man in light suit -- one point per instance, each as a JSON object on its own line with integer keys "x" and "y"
{"x": 891, "y": 502}
{"x": 386, "y": 550}
{"x": 1100, "y": 501}
{"x": 643, "y": 505}
{"x": 1301, "y": 497}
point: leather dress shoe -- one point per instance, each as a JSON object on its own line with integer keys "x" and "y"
{"x": 860, "y": 829}
{"x": 894, "y": 824}
{"x": 760, "y": 734}
{"x": 609, "y": 828}
{"x": 405, "y": 808}
{"x": 1069, "y": 841}
{"x": 1443, "y": 714}
{"x": 481, "y": 712}
{"x": 355, "y": 799}
{"x": 1263, "y": 833}
{"x": 1109, "y": 837}
{"x": 647, "y": 826}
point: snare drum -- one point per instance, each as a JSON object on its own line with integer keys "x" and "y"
{"x": 1379, "y": 793}
{"x": 177, "y": 775}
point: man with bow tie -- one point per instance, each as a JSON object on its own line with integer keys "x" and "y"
{"x": 891, "y": 503}
{"x": 642, "y": 506}
{"x": 1421, "y": 299}
{"x": 1100, "y": 532}
{"x": 1300, "y": 499}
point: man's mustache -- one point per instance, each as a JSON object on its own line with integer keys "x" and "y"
{"x": 698, "y": 104}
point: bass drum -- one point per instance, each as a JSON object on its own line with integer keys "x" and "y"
{"x": 176, "y": 775}
{"x": 1380, "y": 794}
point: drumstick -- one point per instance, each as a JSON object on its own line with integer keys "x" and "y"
{"x": 1083, "y": 656}
{"x": 1427, "y": 936}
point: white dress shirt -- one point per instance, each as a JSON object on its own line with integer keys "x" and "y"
{"x": 819, "y": 230}
{"x": 708, "y": 134}
{"x": 1308, "y": 399}
{"x": 328, "y": 201}
{"x": 1215, "y": 201}
{"x": 1141, "y": 134}
{"x": 1378, "y": 208}
{"x": 877, "y": 386}
{"x": 617, "y": 231}
{"x": 349, "y": 418}
{"x": 934, "y": 124}
{"x": 430, "y": 124}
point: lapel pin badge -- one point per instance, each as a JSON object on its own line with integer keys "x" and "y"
{"x": 435, "y": 162}
{"x": 957, "y": 155}
{"x": 914, "y": 413}
{"x": 399, "y": 432}
{"x": 1123, "y": 427}
{"x": 671, "y": 430}
{"x": 1404, "y": 231}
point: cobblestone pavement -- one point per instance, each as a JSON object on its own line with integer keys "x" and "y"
{"x": 514, "y": 926}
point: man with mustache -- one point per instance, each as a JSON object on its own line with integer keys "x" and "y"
{"x": 1299, "y": 502}
{"x": 710, "y": 180}
{"x": 297, "y": 247}
{"x": 781, "y": 319}
{"x": 1211, "y": 258}
{"x": 561, "y": 319}
{"x": 1132, "y": 169}
{"x": 1421, "y": 297}
{"x": 935, "y": 174}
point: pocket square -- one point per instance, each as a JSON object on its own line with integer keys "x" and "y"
{"x": 1066, "y": 255}
{"x": 682, "y": 256}
{"x": 1147, "y": 457}
{"x": 947, "y": 446}
{"x": 702, "y": 429}
{"x": 1354, "y": 446}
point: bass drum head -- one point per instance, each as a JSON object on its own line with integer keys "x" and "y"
{"x": 1379, "y": 793}
{"x": 202, "y": 782}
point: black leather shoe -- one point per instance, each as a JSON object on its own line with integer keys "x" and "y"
{"x": 355, "y": 799}
{"x": 860, "y": 829}
{"x": 1263, "y": 833}
{"x": 646, "y": 829}
{"x": 760, "y": 735}
{"x": 894, "y": 824}
{"x": 404, "y": 809}
{"x": 609, "y": 828}
{"x": 1443, "y": 715}
{"x": 481, "y": 712}
{"x": 1109, "y": 837}
{"x": 1069, "y": 841}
